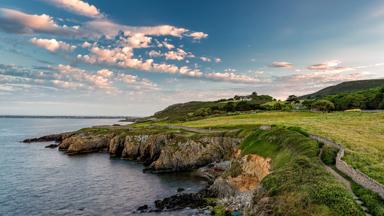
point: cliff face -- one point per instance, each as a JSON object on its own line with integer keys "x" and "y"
{"x": 159, "y": 152}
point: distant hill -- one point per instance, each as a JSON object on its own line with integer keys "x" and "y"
{"x": 346, "y": 87}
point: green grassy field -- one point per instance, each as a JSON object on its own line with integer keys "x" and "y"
{"x": 362, "y": 134}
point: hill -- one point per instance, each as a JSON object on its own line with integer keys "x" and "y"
{"x": 198, "y": 109}
{"x": 346, "y": 87}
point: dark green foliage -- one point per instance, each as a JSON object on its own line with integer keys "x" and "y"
{"x": 346, "y": 87}
{"x": 371, "y": 200}
{"x": 195, "y": 109}
{"x": 368, "y": 99}
{"x": 329, "y": 154}
{"x": 298, "y": 183}
{"x": 364, "y": 94}
{"x": 323, "y": 105}
{"x": 292, "y": 99}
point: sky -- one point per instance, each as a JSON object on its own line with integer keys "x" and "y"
{"x": 118, "y": 57}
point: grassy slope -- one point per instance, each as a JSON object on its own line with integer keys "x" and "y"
{"x": 179, "y": 111}
{"x": 362, "y": 134}
{"x": 299, "y": 184}
{"x": 347, "y": 87}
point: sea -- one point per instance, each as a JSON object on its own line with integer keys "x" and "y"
{"x": 35, "y": 180}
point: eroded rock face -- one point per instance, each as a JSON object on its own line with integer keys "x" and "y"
{"x": 84, "y": 143}
{"x": 158, "y": 152}
{"x": 244, "y": 175}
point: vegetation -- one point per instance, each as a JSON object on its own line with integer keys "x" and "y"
{"x": 198, "y": 109}
{"x": 371, "y": 200}
{"x": 323, "y": 105}
{"x": 299, "y": 184}
{"x": 346, "y": 87}
{"x": 329, "y": 154}
{"x": 361, "y": 134}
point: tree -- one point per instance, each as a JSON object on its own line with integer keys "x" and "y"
{"x": 243, "y": 106}
{"x": 292, "y": 99}
{"x": 253, "y": 95}
{"x": 323, "y": 105}
{"x": 230, "y": 107}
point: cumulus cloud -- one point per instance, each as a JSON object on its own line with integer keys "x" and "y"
{"x": 13, "y": 21}
{"x": 281, "y": 64}
{"x": 218, "y": 60}
{"x": 178, "y": 55}
{"x": 198, "y": 35}
{"x": 322, "y": 78}
{"x": 325, "y": 66}
{"x": 154, "y": 53}
{"x": 86, "y": 44}
{"x": 105, "y": 73}
{"x": 123, "y": 57}
{"x": 105, "y": 79}
{"x": 168, "y": 45}
{"x": 232, "y": 77}
{"x": 205, "y": 59}
{"x": 79, "y": 7}
{"x": 105, "y": 27}
{"x": 52, "y": 45}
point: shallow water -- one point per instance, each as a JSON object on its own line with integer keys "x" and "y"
{"x": 39, "y": 181}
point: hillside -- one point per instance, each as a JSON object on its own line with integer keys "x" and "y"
{"x": 345, "y": 87}
{"x": 197, "y": 109}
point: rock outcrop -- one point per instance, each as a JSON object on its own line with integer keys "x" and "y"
{"x": 159, "y": 152}
{"x": 50, "y": 138}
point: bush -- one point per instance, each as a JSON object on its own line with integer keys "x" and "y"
{"x": 323, "y": 105}
{"x": 329, "y": 154}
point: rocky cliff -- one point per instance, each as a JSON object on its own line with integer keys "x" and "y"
{"x": 165, "y": 151}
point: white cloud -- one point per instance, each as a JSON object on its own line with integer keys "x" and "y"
{"x": 52, "y": 45}
{"x": 168, "y": 45}
{"x": 232, "y": 77}
{"x": 154, "y": 53}
{"x": 281, "y": 64}
{"x": 198, "y": 35}
{"x": 105, "y": 73}
{"x": 138, "y": 40}
{"x": 205, "y": 59}
{"x": 325, "y": 66}
{"x": 14, "y": 21}
{"x": 178, "y": 55}
{"x": 218, "y": 60}
{"x": 78, "y": 7}
{"x": 86, "y": 44}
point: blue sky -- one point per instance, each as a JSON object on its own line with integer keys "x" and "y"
{"x": 83, "y": 57}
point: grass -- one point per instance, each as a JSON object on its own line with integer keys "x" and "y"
{"x": 298, "y": 183}
{"x": 362, "y": 134}
{"x": 371, "y": 200}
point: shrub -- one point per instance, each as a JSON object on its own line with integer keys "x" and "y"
{"x": 323, "y": 105}
{"x": 329, "y": 154}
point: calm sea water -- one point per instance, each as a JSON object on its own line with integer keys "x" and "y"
{"x": 39, "y": 181}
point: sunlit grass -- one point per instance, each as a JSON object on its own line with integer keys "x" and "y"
{"x": 362, "y": 134}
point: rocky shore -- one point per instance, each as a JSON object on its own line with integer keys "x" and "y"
{"x": 213, "y": 156}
